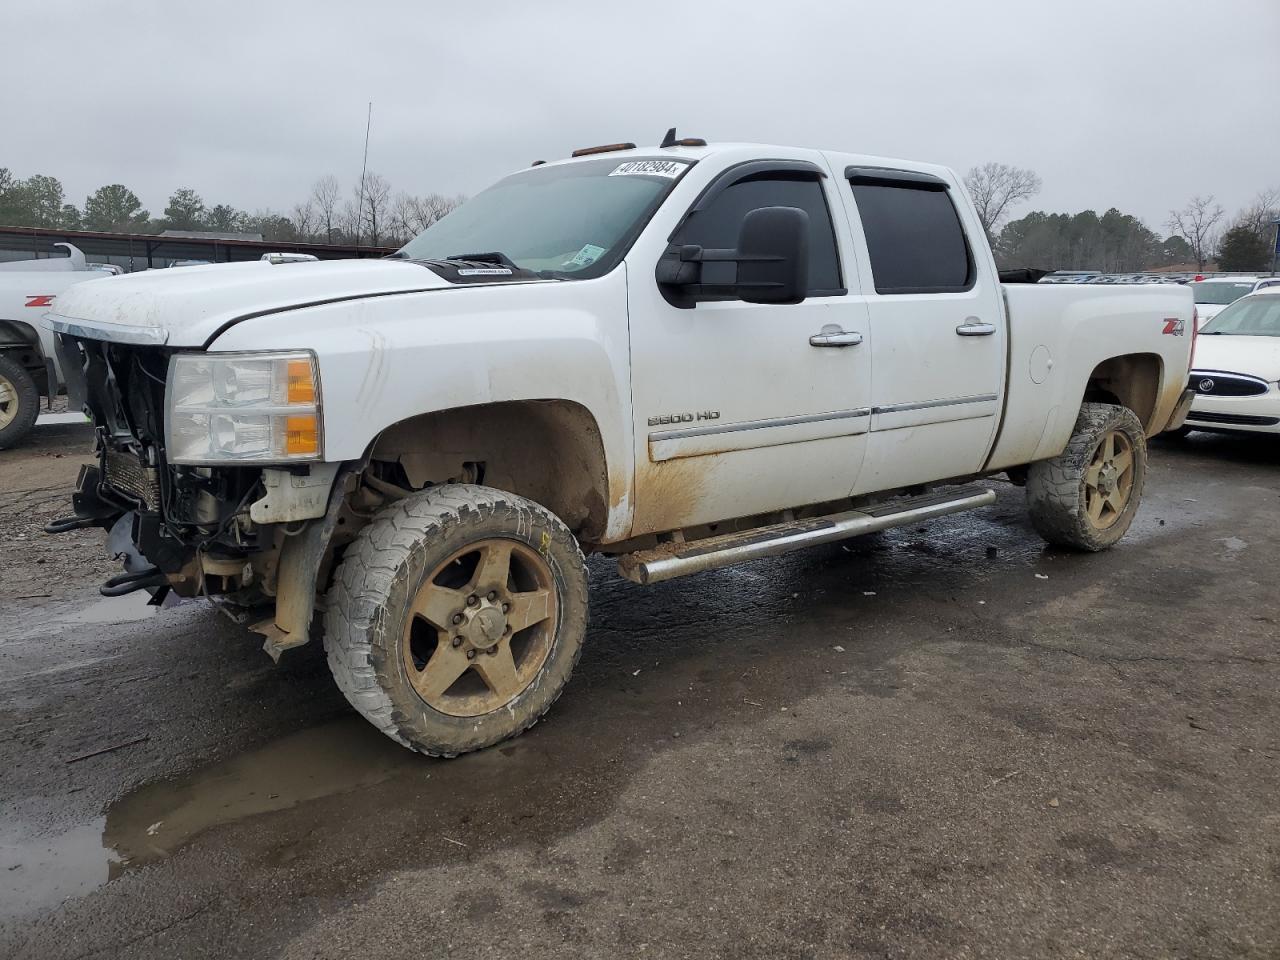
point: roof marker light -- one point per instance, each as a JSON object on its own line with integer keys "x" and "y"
{"x": 606, "y": 148}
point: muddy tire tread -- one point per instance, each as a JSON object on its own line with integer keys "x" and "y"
{"x": 1054, "y": 495}
{"x": 28, "y": 402}
{"x": 368, "y": 574}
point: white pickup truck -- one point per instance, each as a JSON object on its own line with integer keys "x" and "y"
{"x": 684, "y": 356}
{"x": 28, "y": 368}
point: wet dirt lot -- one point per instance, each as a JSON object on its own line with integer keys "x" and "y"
{"x": 944, "y": 741}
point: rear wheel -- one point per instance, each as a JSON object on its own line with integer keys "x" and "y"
{"x": 456, "y": 618}
{"x": 19, "y": 402}
{"x": 1087, "y": 496}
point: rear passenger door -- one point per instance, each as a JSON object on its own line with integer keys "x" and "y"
{"x": 938, "y": 334}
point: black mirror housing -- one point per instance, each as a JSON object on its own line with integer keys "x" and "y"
{"x": 773, "y": 256}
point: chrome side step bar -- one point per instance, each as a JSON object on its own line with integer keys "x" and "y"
{"x": 671, "y": 560}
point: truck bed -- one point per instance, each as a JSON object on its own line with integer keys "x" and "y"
{"x": 1060, "y": 334}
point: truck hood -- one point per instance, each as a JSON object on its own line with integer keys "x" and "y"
{"x": 188, "y": 306}
{"x": 1255, "y": 356}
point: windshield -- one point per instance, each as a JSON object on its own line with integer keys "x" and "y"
{"x": 1255, "y": 317}
{"x": 573, "y": 220}
{"x": 1217, "y": 294}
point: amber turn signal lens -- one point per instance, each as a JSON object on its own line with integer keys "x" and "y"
{"x": 301, "y": 435}
{"x": 301, "y": 382}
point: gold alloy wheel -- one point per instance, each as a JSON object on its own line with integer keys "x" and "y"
{"x": 8, "y": 402}
{"x": 1108, "y": 482}
{"x": 480, "y": 627}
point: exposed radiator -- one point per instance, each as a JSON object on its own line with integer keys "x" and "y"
{"x": 131, "y": 476}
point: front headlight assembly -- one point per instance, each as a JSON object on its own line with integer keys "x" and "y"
{"x": 242, "y": 407}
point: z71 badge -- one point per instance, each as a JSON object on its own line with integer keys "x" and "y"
{"x": 683, "y": 417}
{"x": 1173, "y": 327}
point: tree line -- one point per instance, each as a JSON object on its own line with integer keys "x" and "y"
{"x": 370, "y": 213}
{"x": 1116, "y": 242}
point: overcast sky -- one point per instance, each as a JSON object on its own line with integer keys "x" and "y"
{"x": 1137, "y": 104}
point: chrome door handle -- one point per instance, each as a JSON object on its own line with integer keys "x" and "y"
{"x": 832, "y": 335}
{"x": 973, "y": 327}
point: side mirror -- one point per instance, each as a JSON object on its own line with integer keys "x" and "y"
{"x": 772, "y": 258}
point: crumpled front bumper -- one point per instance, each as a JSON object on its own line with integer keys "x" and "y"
{"x": 95, "y": 507}
{"x": 90, "y": 508}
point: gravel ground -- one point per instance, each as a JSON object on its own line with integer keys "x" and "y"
{"x": 946, "y": 741}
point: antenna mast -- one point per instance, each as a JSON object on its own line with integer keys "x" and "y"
{"x": 364, "y": 168}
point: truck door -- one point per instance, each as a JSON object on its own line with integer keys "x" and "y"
{"x": 938, "y": 332}
{"x": 745, "y": 408}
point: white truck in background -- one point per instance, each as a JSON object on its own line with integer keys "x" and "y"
{"x": 684, "y": 356}
{"x": 28, "y": 367}
{"x": 1215, "y": 294}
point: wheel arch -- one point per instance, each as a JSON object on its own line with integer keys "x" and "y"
{"x": 21, "y": 341}
{"x": 1130, "y": 380}
{"x": 548, "y": 451}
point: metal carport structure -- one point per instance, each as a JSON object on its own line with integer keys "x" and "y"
{"x": 142, "y": 251}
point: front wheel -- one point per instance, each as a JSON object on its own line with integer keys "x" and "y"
{"x": 1086, "y": 497}
{"x": 456, "y": 617}
{"x": 19, "y": 402}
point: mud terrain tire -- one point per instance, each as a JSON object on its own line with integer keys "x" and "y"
{"x": 19, "y": 402}
{"x": 398, "y": 559}
{"x": 1060, "y": 493}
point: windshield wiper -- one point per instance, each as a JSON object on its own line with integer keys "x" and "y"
{"x": 493, "y": 256}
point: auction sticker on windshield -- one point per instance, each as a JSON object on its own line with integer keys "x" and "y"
{"x": 649, "y": 168}
{"x": 589, "y": 254}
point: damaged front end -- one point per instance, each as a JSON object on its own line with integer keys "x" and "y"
{"x": 208, "y": 476}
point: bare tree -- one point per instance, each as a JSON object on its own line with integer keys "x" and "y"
{"x": 1258, "y": 218}
{"x": 410, "y": 215}
{"x": 1196, "y": 222}
{"x": 346, "y": 221}
{"x": 325, "y": 194}
{"x": 304, "y": 219}
{"x": 401, "y": 218}
{"x": 995, "y": 187}
{"x": 373, "y": 200}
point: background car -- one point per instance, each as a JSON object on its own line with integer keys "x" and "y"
{"x": 1237, "y": 367}
{"x": 1214, "y": 293}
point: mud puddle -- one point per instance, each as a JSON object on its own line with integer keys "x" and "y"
{"x": 108, "y": 611}
{"x": 318, "y": 762}
{"x": 39, "y": 870}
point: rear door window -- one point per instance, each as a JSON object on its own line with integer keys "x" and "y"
{"x": 915, "y": 240}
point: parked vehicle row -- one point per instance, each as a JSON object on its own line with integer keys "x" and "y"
{"x": 1214, "y": 293}
{"x": 683, "y": 356}
{"x": 29, "y": 367}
